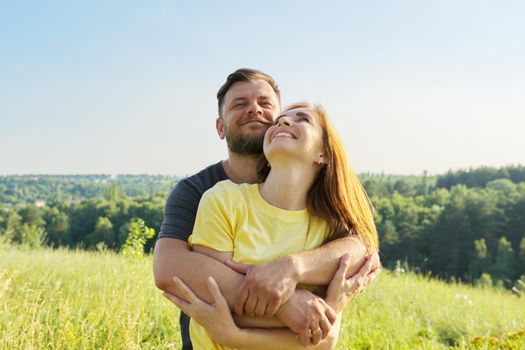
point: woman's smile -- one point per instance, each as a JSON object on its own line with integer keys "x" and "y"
{"x": 285, "y": 134}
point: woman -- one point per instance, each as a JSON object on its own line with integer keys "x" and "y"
{"x": 307, "y": 195}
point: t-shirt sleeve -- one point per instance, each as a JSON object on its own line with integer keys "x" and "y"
{"x": 179, "y": 212}
{"x": 214, "y": 223}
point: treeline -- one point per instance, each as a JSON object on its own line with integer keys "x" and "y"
{"x": 28, "y": 189}
{"x": 467, "y": 224}
{"x": 462, "y": 232}
{"x": 91, "y": 223}
{"x": 480, "y": 177}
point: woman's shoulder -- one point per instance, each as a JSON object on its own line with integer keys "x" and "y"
{"x": 228, "y": 190}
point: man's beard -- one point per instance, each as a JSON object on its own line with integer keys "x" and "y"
{"x": 244, "y": 145}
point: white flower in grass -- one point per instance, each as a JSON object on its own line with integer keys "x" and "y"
{"x": 464, "y": 297}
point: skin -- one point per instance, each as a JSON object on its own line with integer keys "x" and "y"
{"x": 340, "y": 292}
{"x": 249, "y": 108}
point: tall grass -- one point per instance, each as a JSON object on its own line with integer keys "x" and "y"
{"x": 81, "y": 300}
{"x": 99, "y": 300}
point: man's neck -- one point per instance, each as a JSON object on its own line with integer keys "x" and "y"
{"x": 240, "y": 168}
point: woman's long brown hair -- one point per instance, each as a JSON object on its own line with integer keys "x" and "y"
{"x": 337, "y": 195}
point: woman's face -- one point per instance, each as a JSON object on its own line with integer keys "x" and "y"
{"x": 296, "y": 133}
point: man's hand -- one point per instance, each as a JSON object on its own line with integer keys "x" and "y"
{"x": 265, "y": 288}
{"x": 308, "y": 316}
{"x": 342, "y": 290}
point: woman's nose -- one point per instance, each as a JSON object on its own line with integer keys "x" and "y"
{"x": 284, "y": 121}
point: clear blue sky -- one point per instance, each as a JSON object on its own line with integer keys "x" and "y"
{"x": 129, "y": 87}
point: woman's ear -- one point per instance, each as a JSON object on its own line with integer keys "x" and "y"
{"x": 321, "y": 159}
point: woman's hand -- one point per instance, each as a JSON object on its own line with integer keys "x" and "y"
{"x": 342, "y": 290}
{"x": 308, "y": 316}
{"x": 216, "y": 317}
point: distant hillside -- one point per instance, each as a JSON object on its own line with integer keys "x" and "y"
{"x": 16, "y": 189}
{"x": 51, "y": 188}
{"x": 467, "y": 225}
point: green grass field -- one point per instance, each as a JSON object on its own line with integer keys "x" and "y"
{"x": 99, "y": 300}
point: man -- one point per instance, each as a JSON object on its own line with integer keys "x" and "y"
{"x": 248, "y": 103}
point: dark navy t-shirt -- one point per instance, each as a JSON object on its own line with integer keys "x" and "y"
{"x": 179, "y": 217}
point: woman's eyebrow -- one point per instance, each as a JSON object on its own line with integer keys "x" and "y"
{"x": 303, "y": 114}
{"x": 298, "y": 114}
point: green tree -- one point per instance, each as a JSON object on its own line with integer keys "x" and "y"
{"x": 389, "y": 242}
{"x": 57, "y": 228}
{"x": 515, "y": 214}
{"x": 481, "y": 261}
{"x": 113, "y": 192}
{"x": 521, "y": 258}
{"x": 485, "y": 280}
{"x": 137, "y": 236}
{"x": 13, "y": 225}
{"x": 403, "y": 188}
{"x": 82, "y": 219}
{"x": 32, "y": 215}
{"x": 103, "y": 233}
{"x": 502, "y": 269}
{"x": 29, "y": 235}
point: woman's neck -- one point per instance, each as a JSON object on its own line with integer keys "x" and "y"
{"x": 287, "y": 186}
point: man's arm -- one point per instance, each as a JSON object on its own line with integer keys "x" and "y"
{"x": 272, "y": 284}
{"x": 318, "y": 266}
{"x": 217, "y": 320}
{"x": 173, "y": 257}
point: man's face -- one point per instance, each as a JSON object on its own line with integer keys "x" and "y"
{"x": 249, "y": 109}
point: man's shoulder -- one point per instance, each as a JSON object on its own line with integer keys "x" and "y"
{"x": 203, "y": 180}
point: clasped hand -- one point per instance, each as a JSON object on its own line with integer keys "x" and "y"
{"x": 265, "y": 287}
{"x": 307, "y": 315}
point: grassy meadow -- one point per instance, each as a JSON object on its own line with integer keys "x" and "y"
{"x": 59, "y": 299}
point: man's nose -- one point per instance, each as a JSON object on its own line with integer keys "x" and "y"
{"x": 255, "y": 108}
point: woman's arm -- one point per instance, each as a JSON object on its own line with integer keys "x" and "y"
{"x": 271, "y": 283}
{"x": 217, "y": 320}
{"x": 301, "y": 311}
{"x": 266, "y": 339}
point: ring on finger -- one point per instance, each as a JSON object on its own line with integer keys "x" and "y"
{"x": 315, "y": 331}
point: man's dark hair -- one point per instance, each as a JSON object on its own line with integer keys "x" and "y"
{"x": 245, "y": 74}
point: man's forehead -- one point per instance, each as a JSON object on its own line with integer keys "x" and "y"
{"x": 245, "y": 89}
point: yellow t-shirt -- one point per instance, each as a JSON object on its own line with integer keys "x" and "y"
{"x": 235, "y": 218}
